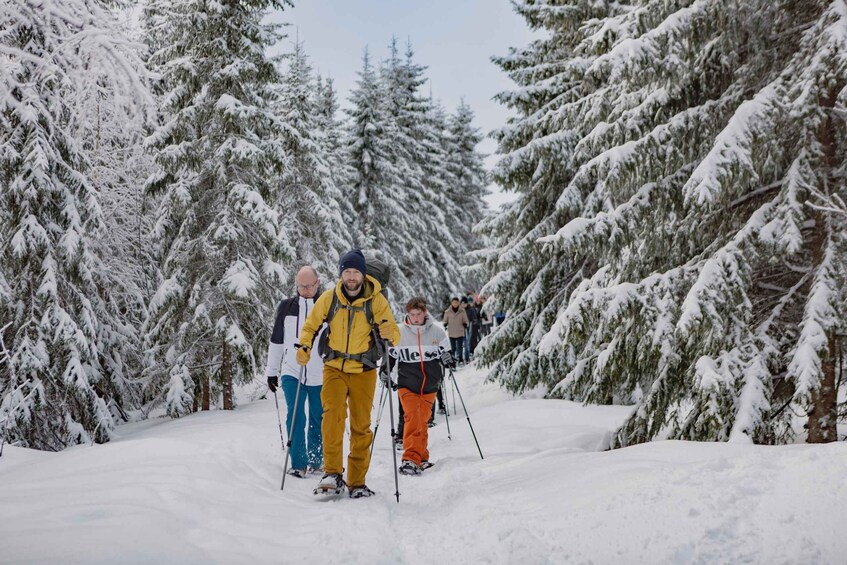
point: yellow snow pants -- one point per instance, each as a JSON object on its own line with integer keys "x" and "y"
{"x": 340, "y": 391}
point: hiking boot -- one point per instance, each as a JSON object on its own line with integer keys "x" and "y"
{"x": 410, "y": 468}
{"x": 299, "y": 473}
{"x": 361, "y": 491}
{"x": 331, "y": 483}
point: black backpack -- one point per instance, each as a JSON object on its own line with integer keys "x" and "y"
{"x": 377, "y": 268}
{"x": 381, "y": 271}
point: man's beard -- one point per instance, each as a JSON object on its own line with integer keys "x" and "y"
{"x": 353, "y": 290}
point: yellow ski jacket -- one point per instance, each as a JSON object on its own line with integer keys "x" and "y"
{"x": 358, "y": 339}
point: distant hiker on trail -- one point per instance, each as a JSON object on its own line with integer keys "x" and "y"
{"x": 472, "y": 337}
{"x": 485, "y": 317}
{"x": 422, "y": 350}
{"x": 290, "y": 318}
{"x": 349, "y": 349}
{"x": 456, "y": 320}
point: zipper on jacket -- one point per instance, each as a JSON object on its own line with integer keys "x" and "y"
{"x": 350, "y": 314}
{"x": 420, "y": 352}
{"x": 306, "y": 315}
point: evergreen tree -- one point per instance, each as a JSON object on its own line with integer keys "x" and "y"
{"x": 65, "y": 340}
{"x": 526, "y": 280}
{"x": 468, "y": 179}
{"x": 427, "y": 252}
{"x": 311, "y": 202}
{"x": 224, "y": 249}
{"x": 110, "y": 130}
{"x": 378, "y": 210}
{"x": 333, "y": 145}
{"x": 698, "y": 162}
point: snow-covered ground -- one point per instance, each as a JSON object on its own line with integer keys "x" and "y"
{"x": 206, "y": 489}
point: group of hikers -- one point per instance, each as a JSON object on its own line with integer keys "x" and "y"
{"x": 466, "y": 325}
{"x": 324, "y": 352}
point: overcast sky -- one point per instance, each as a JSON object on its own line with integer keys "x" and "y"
{"x": 455, "y": 39}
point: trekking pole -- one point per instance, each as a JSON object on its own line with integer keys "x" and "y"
{"x": 446, "y": 408}
{"x": 391, "y": 415}
{"x": 466, "y": 413}
{"x": 454, "y": 393}
{"x": 291, "y": 427}
{"x": 444, "y": 403}
{"x": 279, "y": 419}
{"x": 378, "y": 416}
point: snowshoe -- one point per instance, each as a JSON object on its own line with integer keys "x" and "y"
{"x": 361, "y": 491}
{"x": 426, "y": 465}
{"x": 430, "y": 424}
{"x": 398, "y": 444}
{"x": 331, "y": 483}
{"x": 299, "y": 473}
{"x": 410, "y": 468}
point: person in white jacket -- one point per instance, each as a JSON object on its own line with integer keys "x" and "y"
{"x": 422, "y": 353}
{"x": 306, "y": 453}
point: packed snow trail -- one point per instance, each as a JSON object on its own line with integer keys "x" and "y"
{"x": 205, "y": 489}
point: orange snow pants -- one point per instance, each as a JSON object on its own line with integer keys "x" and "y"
{"x": 417, "y": 408}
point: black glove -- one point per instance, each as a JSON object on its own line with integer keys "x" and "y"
{"x": 273, "y": 382}
{"x": 447, "y": 359}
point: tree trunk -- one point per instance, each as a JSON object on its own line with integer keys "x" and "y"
{"x": 226, "y": 378}
{"x": 823, "y": 412}
{"x": 204, "y": 383}
{"x": 823, "y": 408}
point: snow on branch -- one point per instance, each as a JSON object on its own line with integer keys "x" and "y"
{"x": 730, "y": 155}
{"x": 819, "y": 318}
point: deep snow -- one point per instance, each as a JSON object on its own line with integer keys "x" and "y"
{"x": 205, "y": 488}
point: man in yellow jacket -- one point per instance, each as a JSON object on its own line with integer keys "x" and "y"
{"x": 349, "y": 378}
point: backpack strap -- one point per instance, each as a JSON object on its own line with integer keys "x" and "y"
{"x": 369, "y": 311}
{"x": 370, "y": 357}
{"x": 333, "y": 308}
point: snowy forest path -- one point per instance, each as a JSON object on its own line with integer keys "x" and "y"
{"x": 205, "y": 488}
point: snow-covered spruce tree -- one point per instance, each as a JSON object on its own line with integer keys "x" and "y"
{"x": 706, "y": 147}
{"x": 110, "y": 130}
{"x": 438, "y": 152}
{"x": 311, "y": 203}
{"x": 427, "y": 253}
{"x": 332, "y": 141}
{"x": 58, "y": 306}
{"x": 224, "y": 248}
{"x": 375, "y": 174}
{"x": 468, "y": 178}
{"x": 526, "y": 281}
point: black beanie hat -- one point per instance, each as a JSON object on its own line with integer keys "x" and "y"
{"x": 353, "y": 259}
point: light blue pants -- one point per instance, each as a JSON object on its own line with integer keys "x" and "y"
{"x": 301, "y": 455}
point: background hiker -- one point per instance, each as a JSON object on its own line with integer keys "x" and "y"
{"x": 456, "y": 320}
